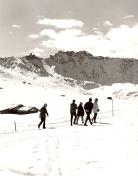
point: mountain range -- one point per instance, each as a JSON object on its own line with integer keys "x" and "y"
{"x": 76, "y": 67}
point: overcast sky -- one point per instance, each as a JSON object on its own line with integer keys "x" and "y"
{"x": 101, "y": 27}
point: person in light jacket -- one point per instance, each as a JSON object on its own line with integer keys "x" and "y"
{"x": 95, "y": 110}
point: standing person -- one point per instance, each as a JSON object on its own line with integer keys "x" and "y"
{"x": 43, "y": 113}
{"x": 95, "y": 110}
{"x": 80, "y": 113}
{"x": 88, "y": 109}
{"x": 73, "y": 108}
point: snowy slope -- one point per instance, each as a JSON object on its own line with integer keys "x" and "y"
{"x": 106, "y": 150}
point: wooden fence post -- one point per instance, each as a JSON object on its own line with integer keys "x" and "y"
{"x": 15, "y": 126}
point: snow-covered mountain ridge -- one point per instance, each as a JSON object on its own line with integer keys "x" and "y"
{"x": 25, "y": 64}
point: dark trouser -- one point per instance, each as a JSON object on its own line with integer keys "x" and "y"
{"x": 42, "y": 121}
{"x": 94, "y": 117}
{"x": 71, "y": 120}
{"x": 88, "y": 118}
{"x": 78, "y": 119}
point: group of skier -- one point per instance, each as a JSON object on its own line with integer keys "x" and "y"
{"x": 77, "y": 112}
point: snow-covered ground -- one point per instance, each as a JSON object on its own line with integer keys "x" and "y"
{"x": 105, "y": 150}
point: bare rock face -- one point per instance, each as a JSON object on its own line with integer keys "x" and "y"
{"x": 19, "y": 109}
{"x": 102, "y": 70}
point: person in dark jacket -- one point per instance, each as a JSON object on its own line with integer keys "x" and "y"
{"x": 88, "y": 109}
{"x": 80, "y": 113}
{"x": 73, "y": 108}
{"x": 43, "y": 113}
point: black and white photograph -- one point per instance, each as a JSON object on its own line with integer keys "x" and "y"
{"x": 69, "y": 89}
